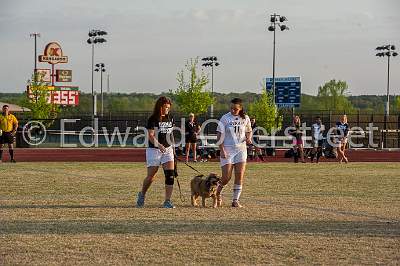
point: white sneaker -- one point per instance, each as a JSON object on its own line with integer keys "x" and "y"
{"x": 236, "y": 204}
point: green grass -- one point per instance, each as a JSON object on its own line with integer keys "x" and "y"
{"x": 82, "y": 213}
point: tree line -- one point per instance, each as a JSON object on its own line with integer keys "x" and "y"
{"x": 144, "y": 102}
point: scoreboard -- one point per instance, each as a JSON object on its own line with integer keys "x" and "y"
{"x": 287, "y": 91}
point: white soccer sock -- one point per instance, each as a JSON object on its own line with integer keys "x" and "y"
{"x": 237, "y": 190}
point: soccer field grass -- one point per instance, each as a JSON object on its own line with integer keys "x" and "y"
{"x": 83, "y": 213}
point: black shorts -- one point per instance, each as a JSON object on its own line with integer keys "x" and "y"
{"x": 7, "y": 138}
{"x": 316, "y": 143}
{"x": 191, "y": 139}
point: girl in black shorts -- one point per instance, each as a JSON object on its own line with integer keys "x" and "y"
{"x": 191, "y": 132}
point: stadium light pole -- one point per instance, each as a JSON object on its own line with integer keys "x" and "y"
{"x": 108, "y": 83}
{"x": 276, "y": 21}
{"x": 94, "y": 38}
{"x": 389, "y": 51}
{"x": 101, "y": 67}
{"x": 211, "y": 61}
{"x": 35, "y": 35}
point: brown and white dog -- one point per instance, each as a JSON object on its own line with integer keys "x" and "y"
{"x": 206, "y": 188}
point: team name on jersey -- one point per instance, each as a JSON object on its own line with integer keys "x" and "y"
{"x": 236, "y": 123}
{"x": 165, "y": 127}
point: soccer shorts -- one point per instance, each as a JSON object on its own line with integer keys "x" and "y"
{"x": 154, "y": 157}
{"x": 297, "y": 141}
{"x": 234, "y": 155}
{"x": 7, "y": 138}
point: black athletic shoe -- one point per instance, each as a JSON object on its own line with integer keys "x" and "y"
{"x": 12, "y": 161}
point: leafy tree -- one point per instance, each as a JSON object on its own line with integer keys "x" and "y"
{"x": 120, "y": 104}
{"x": 397, "y": 102}
{"x": 190, "y": 95}
{"x": 333, "y": 96}
{"x": 309, "y": 103}
{"x": 144, "y": 102}
{"x": 265, "y": 112}
{"x": 38, "y": 101}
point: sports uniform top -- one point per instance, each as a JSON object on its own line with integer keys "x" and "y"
{"x": 7, "y": 122}
{"x": 342, "y": 129}
{"x": 317, "y": 131}
{"x": 296, "y": 132}
{"x": 191, "y": 129}
{"x": 163, "y": 127}
{"x": 233, "y": 129}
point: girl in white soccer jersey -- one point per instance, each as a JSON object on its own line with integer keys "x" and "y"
{"x": 343, "y": 132}
{"x": 233, "y": 133}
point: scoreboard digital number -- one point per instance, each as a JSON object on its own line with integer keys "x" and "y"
{"x": 64, "y": 97}
{"x": 60, "y": 95}
{"x": 287, "y": 91}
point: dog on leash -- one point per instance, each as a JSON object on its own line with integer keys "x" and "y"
{"x": 206, "y": 188}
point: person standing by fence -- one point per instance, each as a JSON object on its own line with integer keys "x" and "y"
{"x": 342, "y": 128}
{"x": 191, "y": 132}
{"x": 8, "y": 129}
{"x": 317, "y": 130}
{"x": 254, "y": 148}
{"x": 297, "y": 134}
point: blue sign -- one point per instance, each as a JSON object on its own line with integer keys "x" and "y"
{"x": 287, "y": 91}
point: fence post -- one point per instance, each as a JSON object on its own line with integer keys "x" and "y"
{"x": 358, "y": 123}
{"x": 398, "y": 131}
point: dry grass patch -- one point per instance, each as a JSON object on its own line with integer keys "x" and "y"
{"x": 82, "y": 213}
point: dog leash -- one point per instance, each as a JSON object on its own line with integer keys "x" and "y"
{"x": 176, "y": 160}
{"x": 180, "y": 191}
{"x": 176, "y": 177}
{"x": 191, "y": 167}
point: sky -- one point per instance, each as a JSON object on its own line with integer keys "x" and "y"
{"x": 149, "y": 41}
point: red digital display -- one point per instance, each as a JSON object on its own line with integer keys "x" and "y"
{"x": 60, "y": 97}
{"x": 64, "y": 97}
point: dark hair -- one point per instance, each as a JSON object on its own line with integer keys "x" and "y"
{"x": 4, "y": 106}
{"x": 160, "y": 102}
{"x": 317, "y": 117}
{"x": 239, "y": 101}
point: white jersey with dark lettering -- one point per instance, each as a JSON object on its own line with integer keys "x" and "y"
{"x": 233, "y": 129}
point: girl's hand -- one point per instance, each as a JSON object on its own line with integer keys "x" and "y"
{"x": 162, "y": 148}
{"x": 223, "y": 154}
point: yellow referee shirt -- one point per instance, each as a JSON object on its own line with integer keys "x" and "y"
{"x": 7, "y": 122}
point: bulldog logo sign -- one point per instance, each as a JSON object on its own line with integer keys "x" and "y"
{"x": 53, "y": 54}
